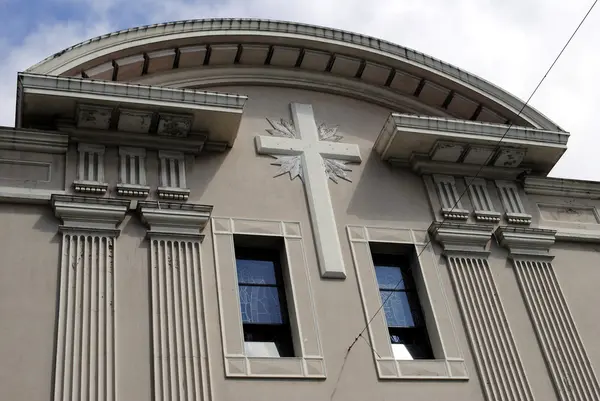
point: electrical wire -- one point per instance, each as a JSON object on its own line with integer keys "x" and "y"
{"x": 480, "y": 169}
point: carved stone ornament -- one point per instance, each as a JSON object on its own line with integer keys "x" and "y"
{"x": 174, "y": 126}
{"x": 293, "y": 164}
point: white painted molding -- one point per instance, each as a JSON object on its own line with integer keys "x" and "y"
{"x": 28, "y": 195}
{"x": 89, "y": 213}
{"x": 494, "y": 349}
{"x": 32, "y": 140}
{"x": 174, "y": 219}
{"x": 421, "y": 165}
{"x": 562, "y": 187}
{"x": 142, "y": 94}
{"x": 449, "y": 363}
{"x": 200, "y": 31}
{"x": 452, "y": 208}
{"x": 312, "y": 151}
{"x": 483, "y": 208}
{"x": 462, "y": 238}
{"x": 309, "y": 362}
{"x": 525, "y": 241}
{"x": 502, "y": 373}
{"x": 511, "y": 200}
{"x": 565, "y": 355}
{"x": 85, "y": 347}
{"x": 295, "y": 78}
{"x": 132, "y": 172}
{"x": 90, "y": 169}
{"x": 193, "y": 144}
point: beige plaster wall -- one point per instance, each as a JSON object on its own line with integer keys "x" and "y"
{"x": 240, "y": 183}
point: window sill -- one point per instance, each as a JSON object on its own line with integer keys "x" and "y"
{"x": 422, "y": 369}
{"x": 268, "y": 367}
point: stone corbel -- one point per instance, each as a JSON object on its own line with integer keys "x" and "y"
{"x": 174, "y": 219}
{"x": 525, "y": 241}
{"x": 89, "y": 213}
{"x": 462, "y": 238}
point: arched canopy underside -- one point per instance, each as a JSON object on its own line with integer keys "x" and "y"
{"x": 218, "y": 52}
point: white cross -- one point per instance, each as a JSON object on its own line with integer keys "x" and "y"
{"x": 312, "y": 150}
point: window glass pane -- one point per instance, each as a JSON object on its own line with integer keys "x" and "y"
{"x": 260, "y": 305}
{"x": 251, "y": 271}
{"x": 398, "y": 310}
{"x": 389, "y": 277}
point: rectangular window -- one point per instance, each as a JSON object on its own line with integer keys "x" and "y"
{"x": 404, "y": 316}
{"x": 263, "y": 304}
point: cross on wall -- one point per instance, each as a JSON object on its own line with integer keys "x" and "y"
{"x": 316, "y": 156}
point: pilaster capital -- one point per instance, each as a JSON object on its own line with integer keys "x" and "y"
{"x": 174, "y": 219}
{"x": 89, "y": 213}
{"x": 458, "y": 238}
{"x": 526, "y": 241}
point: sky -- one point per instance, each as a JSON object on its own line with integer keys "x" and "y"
{"x": 510, "y": 43}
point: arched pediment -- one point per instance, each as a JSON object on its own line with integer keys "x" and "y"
{"x": 201, "y": 53}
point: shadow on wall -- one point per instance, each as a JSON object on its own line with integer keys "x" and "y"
{"x": 389, "y": 193}
{"x": 201, "y": 172}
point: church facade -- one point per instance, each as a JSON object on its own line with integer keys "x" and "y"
{"x": 251, "y": 210}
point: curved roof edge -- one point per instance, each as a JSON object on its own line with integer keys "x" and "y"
{"x": 68, "y": 58}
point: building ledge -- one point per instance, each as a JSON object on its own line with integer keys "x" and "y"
{"x": 562, "y": 187}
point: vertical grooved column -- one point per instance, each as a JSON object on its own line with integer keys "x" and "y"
{"x": 175, "y": 325}
{"x": 85, "y": 338}
{"x": 501, "y": 371}
{"x": 568, "y": 363}
{"x": 85, "y": 351}
{"x": 180, "y": 372}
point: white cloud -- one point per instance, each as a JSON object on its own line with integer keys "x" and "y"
{"x": 510, "y": 43}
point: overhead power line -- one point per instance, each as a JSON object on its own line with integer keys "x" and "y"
{"x": 480, "y": 169}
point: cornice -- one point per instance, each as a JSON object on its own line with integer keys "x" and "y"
{"x": 421, "y": 165}
{"x": 174, "y": 219}
{"x": 526, "y": 242}
{"x": 257, "y": 31}
{"x": 28, "y": 195}
{"x": 462, "y": 238}
{"x": 562, "y": 187}
{"x": 89, "y": 213}
{"x": 32, "y": 140}
{"x": 301, "y": 79}
{"x": 151, "y": 95}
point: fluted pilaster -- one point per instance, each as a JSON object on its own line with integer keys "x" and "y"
{"x": 177, "y": 325}
{"x": 567, "y": 361}
{"x": 85, "y": 342}
{"x": 502, "y": 374}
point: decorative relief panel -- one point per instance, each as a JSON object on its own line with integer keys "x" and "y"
{"x": 449, "y": 363}
{"x": 93, "y": 116}
{"x": 502, "y": 374}
{"x": 309, "y": 362}
{"x": 85, "y": 345}
{"x": 178, "y": 334}
{"x": 172, "y": 176}
{"x": 174, "y": 125}
{"x": 452, "y": 208}
{"x": 566, "y": 358}
{"x": 90, "y": 172}
{"x": 132, "y": 172}
{"x": 569, "y": 214}
{"x": 481, "y": 201}
{"x": 134, "y": 121}
{"x": 515, "y": 212}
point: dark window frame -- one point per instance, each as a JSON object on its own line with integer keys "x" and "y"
{"x": 414, "y": 338}
{"x": 280, "y": 334}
